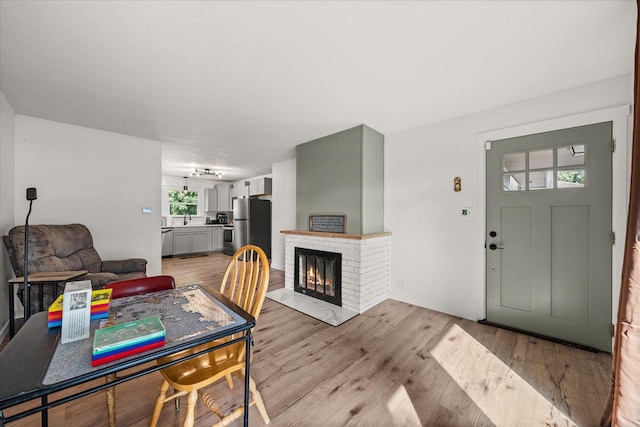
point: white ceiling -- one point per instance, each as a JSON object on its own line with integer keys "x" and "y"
{"x": 235, "y": 86}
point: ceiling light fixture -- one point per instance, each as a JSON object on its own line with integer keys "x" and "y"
{"x": 206, "y": 171}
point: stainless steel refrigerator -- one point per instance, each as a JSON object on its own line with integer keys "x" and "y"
{"x": 252, "y": 224}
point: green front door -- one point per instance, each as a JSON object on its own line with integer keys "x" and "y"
{"x": 548, "y": 257}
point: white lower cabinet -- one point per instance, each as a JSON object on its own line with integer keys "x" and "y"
{"x": 190, "y": 240}
{"x": 217, "y": 240}
{"x": 199, "y": 241}
{"x": 209, "y": 239}
{"x": 181, "y": 242}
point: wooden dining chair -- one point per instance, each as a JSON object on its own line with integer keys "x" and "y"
{"x": 245, "y": 282}
{"x": 128, "y": 288}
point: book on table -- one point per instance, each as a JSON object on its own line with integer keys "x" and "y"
{"x": 100, "y": 300}
{"x": 126, "y": 339}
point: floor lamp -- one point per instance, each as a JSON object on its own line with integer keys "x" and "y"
{"x": 31, "y": 196}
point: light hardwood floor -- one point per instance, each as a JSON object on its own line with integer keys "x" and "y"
{"x": 376, "y": 370}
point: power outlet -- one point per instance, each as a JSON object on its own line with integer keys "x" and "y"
{"x": 400, "y": 284}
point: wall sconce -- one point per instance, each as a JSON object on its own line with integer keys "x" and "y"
{"x": 457, "y": 184}
{"x": 185, "y": 188}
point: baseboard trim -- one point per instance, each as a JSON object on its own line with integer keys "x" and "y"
{"x": 544, "y": 337}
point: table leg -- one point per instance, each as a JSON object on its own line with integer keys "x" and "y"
{"x": 12, "y": 312}
{"x": 246, "y": 378}
{"x": 45, "y": 413}
{"x": 41, "y": 296}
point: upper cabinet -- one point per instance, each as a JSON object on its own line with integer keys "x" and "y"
{"x": 240, "y": 190}
{"x": 218, "y": 198}
{"x": 224, "y": 197}
{"x": 260, "y": 186}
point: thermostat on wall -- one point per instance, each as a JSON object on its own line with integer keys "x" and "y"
{"x": 146, "y": 210}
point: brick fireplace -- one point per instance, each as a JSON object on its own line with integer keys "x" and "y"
{"x": 365, "y": 264}
{"x": 341, "y": 174}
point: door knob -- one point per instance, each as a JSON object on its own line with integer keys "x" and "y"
{"x": 493, "y": 234}
{"x": 493, "y": 247}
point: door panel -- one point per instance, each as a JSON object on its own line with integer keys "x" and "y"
{"x": 515, "y": 286}
{"x": 570, "y": 263}
{"x": 549, "y": 260}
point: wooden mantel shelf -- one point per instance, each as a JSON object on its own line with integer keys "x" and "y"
{"x": 337, "y": 235}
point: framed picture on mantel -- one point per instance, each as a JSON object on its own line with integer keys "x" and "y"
{"x": 328, "y": 223}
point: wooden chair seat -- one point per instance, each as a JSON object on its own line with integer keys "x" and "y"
{"x": 245, "y": 282}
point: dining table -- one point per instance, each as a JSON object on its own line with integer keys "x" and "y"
{"x": 35, "y": 364}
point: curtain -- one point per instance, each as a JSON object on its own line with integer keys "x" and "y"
{"x": 623, "y": 405}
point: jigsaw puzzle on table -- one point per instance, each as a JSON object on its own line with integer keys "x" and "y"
{"x": 187, "y": 313}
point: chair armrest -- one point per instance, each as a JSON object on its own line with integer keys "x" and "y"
{"x": 125, "y": 266}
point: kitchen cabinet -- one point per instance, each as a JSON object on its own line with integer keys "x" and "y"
{"x": 189, "y": 240}
{"x": 181, "y": 242}
{"x": 240, "y": 190}
{"x": 198, "y": 241}
{"x": 211, "y": 199}
{"x": 224, "y": 197}
{"x": 260, "y": 187}
{"x": 218, "y": 198}
{"x": 215, "y": 238}
{"x": 209, "y": 239}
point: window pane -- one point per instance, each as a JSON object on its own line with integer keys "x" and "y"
{"x": 541, "y": 180}
{"x": 571, "y": 155}
{"x": 541, "y": 159}
{"x": 513, "y": 182}
{"x": 571, "y": 178}
{"x": 183, "y": 202}
{"x": 513, "y": 162}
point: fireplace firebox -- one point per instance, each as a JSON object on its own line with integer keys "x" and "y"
{"x": 318, "y": 274}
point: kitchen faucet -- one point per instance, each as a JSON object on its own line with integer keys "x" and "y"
{"x": 185, "y": 219}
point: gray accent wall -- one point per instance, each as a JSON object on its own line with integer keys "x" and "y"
{"x": 342, "y": 174}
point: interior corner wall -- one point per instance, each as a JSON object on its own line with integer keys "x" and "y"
{"x": 283, "y": 208}
{"x": 7, "y": 197}
{"x": 433, "y": 246}
{"x": 96, "y": 178}
{"x": 372, "y": 181}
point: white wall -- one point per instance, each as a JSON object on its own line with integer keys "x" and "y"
{"x": 96, "y": 178}
{"x": 283, "y": 208}
{"x": 433, "y": 247}
{"x": 7, "y": 196}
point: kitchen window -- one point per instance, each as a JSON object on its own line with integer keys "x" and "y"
{"x": 183, "y": 202}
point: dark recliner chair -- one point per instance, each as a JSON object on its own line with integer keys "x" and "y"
{"x": 67, "y": 247}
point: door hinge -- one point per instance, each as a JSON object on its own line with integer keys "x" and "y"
{"x": 613, "y": 145}
{"x": 613, "y": 238}
{"x": 487, "y": 145}
{"x": 613, "y": 330}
